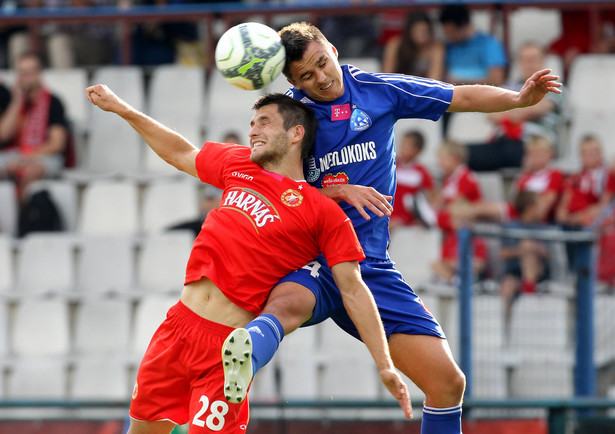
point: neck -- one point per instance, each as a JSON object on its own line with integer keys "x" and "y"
{"x": 292, "y": 171}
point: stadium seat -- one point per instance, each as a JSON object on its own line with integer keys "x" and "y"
{"x": 102, "y": 326}
{"x": 100, "y": 379}
{"x": 279, "y": 85}
{"x": 38, "y": 379}
{"x": 149, "y": 314}
{"x": 162, "y": 262}
{"x": 52, "y": 256}
{"x": 492, "y": 186}
{"x": 265, "y": 387}
{"x": 470, "y": 128}
{"x": 533, "y": 24}
{"x": 4, "y": 332}
{"x": 489, "y": 379}
{"x": 109, "y": 208}
{"x": 176, "y": 99}
{"x": 591, "y": 84}
{"x": 7, "y": 271}
{"x": 113, "y": 146}
{"x": 539, "y": 325}
{"x": 64, "y": 195}
{"x": 40, "y": 328}
{"x": 105, "y": 264}
{"x": 415, "y": 263}
{"x": 604, "y": 329}
{"x": 168, "y": 202}
{"x": 547, "y": 377}
{"x": 432, "y": 131}
{"x": 298, "y": 377}
{"x": 8, "y": 210}
{"x": 69, "y": 85}
{"x": 229, "y": 109}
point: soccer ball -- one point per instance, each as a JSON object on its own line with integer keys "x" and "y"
{"x": 250, "y": 55}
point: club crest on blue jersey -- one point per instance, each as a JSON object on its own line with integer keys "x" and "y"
{"x": 359, "y": 120}
{"x": 313, "y": 173}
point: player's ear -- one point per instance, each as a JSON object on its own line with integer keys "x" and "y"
{"x": 298, "y": 131}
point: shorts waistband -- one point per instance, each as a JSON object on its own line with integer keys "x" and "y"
{"x": 183, "y": 313}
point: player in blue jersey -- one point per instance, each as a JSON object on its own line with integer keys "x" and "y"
{"x": 353, "y": 161}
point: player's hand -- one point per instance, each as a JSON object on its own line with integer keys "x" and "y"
{"x": 101, "y": 96}
{"x": 392, "y": 380}
{"x": 537, "y": 86}
{"x": 361, "y": 197}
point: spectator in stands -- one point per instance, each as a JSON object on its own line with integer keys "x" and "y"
{"x": 526, "y": 260}
{"x": 587, "y": 193}
{"x": 460, "y": 190}
{"x": 35, "y": 125}
{"x": 513, "y": 127}
{"x": 72, "y": 44}
{"x": 412, "y": 179}
{"x": 232, "y": 137}
{"x": 416, "y": 51}
{"x": 471, "y": 56}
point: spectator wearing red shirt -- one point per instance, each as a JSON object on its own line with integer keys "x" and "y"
{"x": 460, "y": 188}
{"x": 412, "y": 179}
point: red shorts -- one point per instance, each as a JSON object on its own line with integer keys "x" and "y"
{"x": 449, "y": 247}
{"x": 181, "y": 377}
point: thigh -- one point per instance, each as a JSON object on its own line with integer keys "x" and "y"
{"x": 429, "y": 363}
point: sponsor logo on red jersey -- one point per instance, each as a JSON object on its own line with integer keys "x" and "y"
{"x": 291, "y": 198}
{"x": 252, "y": 204}
{"x": 330, "y": 180}
{"x": 135, "y": 390}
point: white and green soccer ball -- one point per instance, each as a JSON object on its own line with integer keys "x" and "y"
{"x": 250, "y": 55}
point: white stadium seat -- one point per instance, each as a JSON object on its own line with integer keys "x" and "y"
{"x": 412, "y": 262}
{"x": 52, "y": 256}
{"x": 106, "y": 264}
{"x": 100, "y": 379}
{"x": 69, "y": 85}
{"x": 37, "y": 379}
{"x": 64, "y": 196}
{"x": 168, "y": 202}
{"x": 533, "y": 24}
{"x": 491, "y": 186}
{"x": 163, "y": 259}
{"x": 8, "y": 210}
{"x": 40, "y": 328}
{"x": 7, "y": 270}
{"x": 109, "y": 208}
{"x": 591, "y": 84}
{"x": 102, "y": 326}
{"x": 470, "y": 128}
{"x": 149, "y": 314}
{"x": 432, "y": 131}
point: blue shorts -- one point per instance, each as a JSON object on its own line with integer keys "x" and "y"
{"x": 401, "y": 310}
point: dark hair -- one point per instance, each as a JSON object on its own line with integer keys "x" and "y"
{"x": 295, "y": 38}
{"x": 524, "y": 200}
{"x": 293, "y": 113}
{"x": 407, "y": 52}
{"x": 455, "y": 14}
{"x": 417, "y": 137}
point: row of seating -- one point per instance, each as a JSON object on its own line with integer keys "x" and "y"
{"x": 183, "y": 99}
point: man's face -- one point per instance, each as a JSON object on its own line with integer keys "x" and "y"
{"x": 530, "y": 60}
{"x": 591, "y": 155}
{"x": 269, "y": 140}
{"x": 318, "y": 73}
{"x": 537, "y": 157}
{"x": 28, "y": 73}
{"x": 453, "y": 33}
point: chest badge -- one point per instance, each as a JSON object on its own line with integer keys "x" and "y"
{"x": 291, "y": 198}
{"x": 312, "y": 173}
{"x": 359, "y": 120}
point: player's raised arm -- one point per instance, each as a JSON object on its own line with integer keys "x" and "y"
{"x": 362, "y": 309}
{"x": 168, "y": 144}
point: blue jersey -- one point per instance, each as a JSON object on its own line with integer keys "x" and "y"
{"x": 355, "y": 139}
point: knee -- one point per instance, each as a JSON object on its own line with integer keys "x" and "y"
{"x": 458, "y": 386}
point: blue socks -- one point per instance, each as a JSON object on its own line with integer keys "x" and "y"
{"x": 441, "y": 420}
{"x": 266, "y": 333}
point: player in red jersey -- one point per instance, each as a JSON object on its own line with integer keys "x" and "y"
{"x": 245, "y": 246}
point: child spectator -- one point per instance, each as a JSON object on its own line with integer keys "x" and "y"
{"x": 459, "y": 189}
{"x": 526, "y": 260}
{"x": 416, "y": 51}
{"x": 412, "y": 178}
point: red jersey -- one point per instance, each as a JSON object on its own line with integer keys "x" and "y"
{"x": 411, "y": 178}
{"x": 543, "y": 181}
{"x": 587, "y": 187}
{"x": 267, "y": 225}
{"x": 461, "y": 184}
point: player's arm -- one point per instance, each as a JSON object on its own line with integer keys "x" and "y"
{"x": 361, "y": 308}
{"x": 169, "y": 145}
{"x": 481, "y": 98}
{"x": 360, "y": 197}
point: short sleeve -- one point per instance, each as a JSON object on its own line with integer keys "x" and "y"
{"x": 212, "y": 161}
{"x": 56, "y": 112}
{"x": 337, "y": 238}
{"x": 496, "y": 57}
